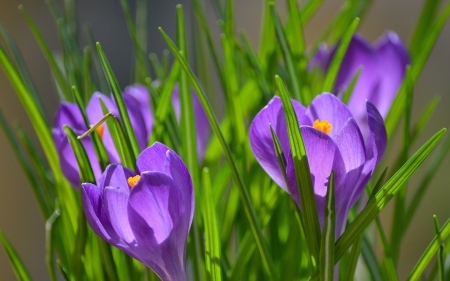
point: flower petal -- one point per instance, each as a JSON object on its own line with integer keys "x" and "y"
{"x": 261, "y": 139}
{"x": 153, "y": 159}
{"x": 392, "y": 59}
{"x": 323, "y": 156}
{"x": 137, "y": 120}
{"x": 69, "y": 114}
{"x": 376, "y": 144}
{"x": 327, "y": 107}
{"x": 95, "y": 113}
{"x": 141, "y": 94}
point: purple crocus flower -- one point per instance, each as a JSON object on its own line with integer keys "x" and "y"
{"x": 136, "y": 101}
{"x": 383, "y": 69}
{"x": 333, "y": 141}
{"x": 146, "y": 214}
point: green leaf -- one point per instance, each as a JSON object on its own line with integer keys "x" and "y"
{"x": 294, "y": 28}
{"x": 19, "y": 268}
{"x": 287, "y": 55}
{"x": 280, "y": 155}
{"x": 247, "y": 205}
{"x": 326, "y": 262}
{"x": 394, "y": 184}
{"x": 429, "y": 253}
{"x": 308, "y": 10}
{"x": 84, "y": 165}
{"x": 49, "y": 243}
{"x": 302, "y": 174}
{"x": 212, "y": 237}
{"x": 57, "y": 72}
{"x": 333, "y": 70}
{"x": 114, "y": 86}
{"x": 348, "y": 93}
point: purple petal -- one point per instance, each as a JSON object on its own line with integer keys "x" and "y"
{"x": 69, "y": 114}
{"x": 201, "y": 126}
{"x": 116, "y": 203}
{"x": 321, "y": 58}
{"x": 137, "y": 120}
{"x": 155, "y": 208}
{"x": 95, "y": 113}
{"x": 142, "y": 95}
{"x": 67, "y": 159}
{"x": 261, "y": 140}
{"x": 328, "y": 107}
{"x": 153, "y": 159}
{"x": 392, "y": 58}
{"x": 376, "y": 144}
{"x": 323, "y": 156}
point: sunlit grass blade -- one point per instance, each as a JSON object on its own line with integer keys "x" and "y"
{"x": 27, "y": 166}
{"x": 138, "y": 38}
{"x": 207, "y": 32}
{"x": 326, "y": 261}
{"x": 247, "y": 205}
{"x": 308, "y": 10}
{"x": 394, "y": 184}
{"x": 430, "y": 172}
{"x": 57, "y": 72}
{"x": 348, "y": 93}
{"x": 213, "y": 264}
{"x": 333, "y": 70}
{"x": 84, "y": 165}
{"x": 427, "y": 16}
{"x": 429, "y": 253}
{"x": 294, "y": 29}
{"x": 17, "y": 265}
{"x": 49, "y": 243}
{"x": 120, "y": 141}
{"x": 302, "y": 174}
{"x": 117, "y": 93}
{"x": 293, "y": 75}
{"x": 21, "y": 66}
{"x": 189, "y": 137}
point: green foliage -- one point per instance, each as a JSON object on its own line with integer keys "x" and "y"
{"x": 245, "y": 227}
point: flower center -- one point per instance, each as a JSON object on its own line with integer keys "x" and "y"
{"x": 133, "y": 180}
{"x": 100, "y": 129}
{"x": 323, "y": 126}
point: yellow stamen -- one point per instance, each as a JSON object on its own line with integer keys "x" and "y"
{"x": 323, "y": 126}
{"x": 100, "y": 129}
{"x": 133, "y": 180}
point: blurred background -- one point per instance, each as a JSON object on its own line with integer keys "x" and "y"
{"x": 20, "y": 218}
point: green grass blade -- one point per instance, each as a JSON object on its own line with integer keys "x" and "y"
{"x": 88, "y": 83}
{"x": 247, "y": 205}
{"x": 139, "y": 41}
{"x": 429, "y": 11}
{"x": 49, "y": 241}
{"x": 21, "y": 66}
{"x": 267, "y": 43}
{"x": 302, "y": 174}
{"x": 294, "y": 29}
{"x": 19, "y": 268}
{"x": 431, "y": 170}
{"x": 120, "y": 141}
{"x": 371, "y": 260}
{"x": 308, "y": 10}
{"x": 84, "y": 165}
{"x": 394, "y": 184}
{"x": 326, "y": 262}
{"x": 114, "y": 86}
{"x": 333, "y": 70}
{"x": 348, "y": 93}
{"x": 287, "y": 55}
{"x": 279, "y": 152}
{"x": 189, "y": 137}
{"x": 57, "y": 72}
{"x": 424, "y": 117}
{"x": 211, "y": 230}
{"x": 77, "y": 263}
{"x": 429, "y": 253}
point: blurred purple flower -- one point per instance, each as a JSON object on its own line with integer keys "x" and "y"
{"x": 146, "y": 214}
{"x": 138, "y": 104}
{"x": 333, "y": 141}
{"x": 137, "y": 101}
{"x": 383, "y": 69}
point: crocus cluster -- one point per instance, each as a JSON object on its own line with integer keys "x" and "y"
{"x": 383, "y": 67}
{"x": 137, "y": 102}
{"x": 333, "y": 141}
{"x": 147, "y": 213}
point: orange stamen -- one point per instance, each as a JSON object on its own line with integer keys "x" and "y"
{"x": 323, "y": 126}
{"x": 133, "y": 180}
{"x": 100, "y": 129}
